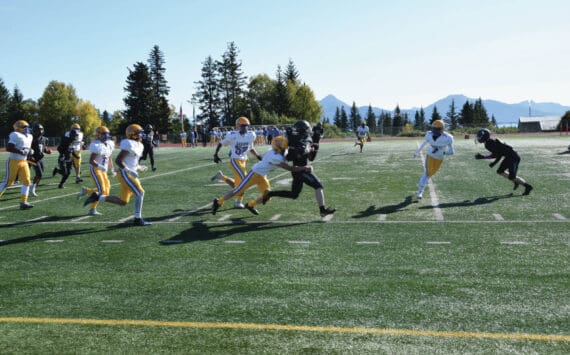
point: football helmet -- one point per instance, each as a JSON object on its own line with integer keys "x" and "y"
{"x": 103, "y": 133}
{"x": 21, "y": 126}
{"x": 241, "y": 124}
{"x": 37, "y": 130}
{"x": 279, "y": 144}
{"x": 134, "y": 131}
{"x": 303, "y": 127}
{"x": 76, "y": 126}
{"x": 438, "y": 124}
{"x": 483, "y": 135}
{"x": 148, "y": 128}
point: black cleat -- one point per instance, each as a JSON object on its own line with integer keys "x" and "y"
{"x": 266, "y": 197}
{"x": 252, "y": 209}
{"x": 516, "y": 186}
{"x": 92, "y": 198}
{"x": 154, "y": 168}
{"x": 78, "y": 180}
{"x": 327, "y": 211}
{"x": 60, "y": 186}
{"x": 527, "y": 189}
{"x": 141, "y": 222}
{"x": 215, "y": 206}
{"x": 54, "y": 172}
{"x": 25, "y": 206}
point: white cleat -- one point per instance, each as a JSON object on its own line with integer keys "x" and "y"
{"x": 420, "y": 194}
{"x": 33, "y": 193}
{"x": 94, "y": 212}
{"x": 239, "y": 204}
{"x": 81, "y": 193}
{"x": 219, "y": 175}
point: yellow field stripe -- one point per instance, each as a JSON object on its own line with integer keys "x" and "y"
{"x": 302, "y": 328}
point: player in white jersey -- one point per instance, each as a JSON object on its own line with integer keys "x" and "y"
{"x": 19, "y": 146}
{"x": 362, "y": 134}
{"x": 75, "y": 147}
{"x": 440, "y": 144}
{"x": 240, "y": 142}
{"x": 100, "y": 162}
{"x": 128, "y": 163}
{"x": 273, "y": 158}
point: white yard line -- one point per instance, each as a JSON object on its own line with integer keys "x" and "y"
{"x": 298, "y": 242}
{"x": 559, "y": 217}
{"x": 328, "y": 217}
{"x": 498, "y": 217}
{"x": 234, "y": 241}
{"x": 515, "y": 242}
{"x": 36, "y": 219}
{"x": 78, "y": 219}
{"x": 437, "y": 243}
{"x": 112, "y": 241}
{"x": 123, "y": 220}
{"x": 381, "y": 217}
{"x": 224, "y": 217}
{"x": 437, "y": 213}
{"x": 275, "y": 218}
{"x": 367, "y": 243}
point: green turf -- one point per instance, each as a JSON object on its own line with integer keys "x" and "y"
{"x": 382, "y": 261}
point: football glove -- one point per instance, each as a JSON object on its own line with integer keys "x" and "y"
{"x": 101, "y": 167}
{"x": 131, "y": 172}
{"x": 479, "y": 156}
{"x": 217, "y": 159}
{"x": 142, "y": 168}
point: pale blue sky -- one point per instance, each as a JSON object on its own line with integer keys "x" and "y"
{"x": 380, "y": 52}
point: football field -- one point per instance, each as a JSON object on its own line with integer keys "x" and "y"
{"x": 473, "y": 267}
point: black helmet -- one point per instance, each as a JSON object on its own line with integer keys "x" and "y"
{"x": 302, "y": 127}
{"x": 37, "y": 130}
{"x": 483, "y": 135}
{"x": 148, "y": 128}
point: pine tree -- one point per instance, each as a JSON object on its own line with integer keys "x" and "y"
{"x": 480, "y": 117}
{"x": 140, "y": 96}
{"x": 466, "y": 115}
{"x": 15, "y": 107}
{"x": 336, "y": 120}
{"x": 493, "y": 121}
{"x": 371, "y": 119}
{"x": 343, "y": 120}
{"x": 106, "y": 119}
{"x": 231, "y": 83}
{"x": 434, "y": 115}
{"x": 5, "y": 124}
{"x": 387, "y": 123}
{"x": 418, "y": 123}
{"x": 291, "y": 74}
{"x": 208, "y": 95}
{"x": 397, "y": 124}
{"x": 451, "y": 116}
{"x": 354, "y": 117}
{"x": 160, "y": 110}
{"x": 281, "y": 101}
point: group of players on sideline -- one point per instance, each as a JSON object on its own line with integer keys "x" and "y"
{"x": 299, "y": 144}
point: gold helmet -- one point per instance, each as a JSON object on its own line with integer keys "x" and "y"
{"x": 76, "y": 126}
{"x": 21, "y": 126}
{"x": 103, "y": 133}
{"x": 279, "y": 144}
{"x": 134, "y": 131}
{"x": 438, "y": 124}
{"x": 242, "y": 121}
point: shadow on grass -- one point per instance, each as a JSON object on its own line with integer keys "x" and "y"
{"x": 204, "y": 232}
{"x": 49, "y": 235}
{"x": 372, "y": 210}
{"x": 39, "y": 221}
{"x": 476, "y": 202}
{"x": 565, "y": 152}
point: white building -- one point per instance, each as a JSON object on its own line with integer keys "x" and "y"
{"x": 538, "y": 123}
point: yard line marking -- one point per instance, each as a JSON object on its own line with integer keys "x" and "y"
{"x": 328, "y": 217}
{"x": 234, "y": 241}
{"x": 123, "y": 220}
{"x": 224, "y": 217}
{"x": 298, "y": 242}
{"x": 498, "y": 217}
{"x": 275, "y": 218}
{"x": 54, "y": 241}
{"x": 36, "y": 219}
{"x": 290, "y": 327}
{"x": 111, "y": 241}
{"x": 367, "y": 243}
{"x": 437, "y": 213}
{"x": 80, "y": 218}
{"x": 516, "y": 242}
{"x": 436, "y": 242}
{"x": 559, "y": 216}
{"x": 381, "y": 217}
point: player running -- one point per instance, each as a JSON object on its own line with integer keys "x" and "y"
{"x": 362, "y": 134}
{"x": 75, "y": 148}
{"x": 441, "y": 144}
{"x": 240, "y": 142}
{"x": 100, "y": 162}
{"x": 149, "y": 142}
{"x": 128, "y": 163}
{"x": 273, "y": 158}
{"x": 39, "y": 149}
{"x": 19, "y": 147}
{"x": 500, "y": 150}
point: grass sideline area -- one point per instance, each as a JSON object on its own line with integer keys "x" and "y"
{"x": 384, "y": 275}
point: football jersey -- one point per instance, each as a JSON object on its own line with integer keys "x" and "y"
{"x": 75, "y": 145}
{"x": 270, "y": 161}
{"x": 440, "y": 146}
{"x": 102, "y": 151}
{"x": 135, "y": 150}
{"x": 239, "y": 144}
{"x": 362, "y": 131}
{"x": 499, "y": 149}
{"x": 20, "y": 141}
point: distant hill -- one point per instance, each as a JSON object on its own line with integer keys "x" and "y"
{"x": 504, "y": 113}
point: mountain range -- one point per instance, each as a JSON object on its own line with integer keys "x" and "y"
{"x": 505, "y": 114}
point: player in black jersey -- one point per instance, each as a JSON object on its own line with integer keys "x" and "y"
{"x": 500, "y": 150}
{"x": 149, "y": 142}
{"x": 39, "y": 148}
{"x": 303, "y": 147}
{"x": 64, "y": 160}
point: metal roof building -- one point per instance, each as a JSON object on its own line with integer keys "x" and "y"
{"x": 538, "y": 123}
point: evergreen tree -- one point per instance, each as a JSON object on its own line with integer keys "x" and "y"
{"x": 466, "y": 115}
{"x": 281, "y": 102}
{"x": 336, "y": 120}
{"x": 371, "y": 119}
{"x": 5, "y": 124}
{"x": 418, "y": 122}
{"x": 480, "y": 117}
{"x": 160, "y": 110}
{"x": 343, "y": 119}
{"x": 423, "y": 117}
{"x": 354, "y": 117}
{"x": 387, "y": 123}
{"x": 106, "y": 119}
{"x": 231, "y": 83}
{"x": 493, "y": 121}
{"x": 397, "y": 123}
{"x": 208, "y": 94}
{"x": 451, "y": 116}
{"x": 15, "y": 107}
{"x": 291, "y": 74}
{"x": 434, "y": 115}
{"x": 140, "y": 96}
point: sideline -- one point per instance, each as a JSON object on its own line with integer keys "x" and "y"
{"x": 285, "y": 327}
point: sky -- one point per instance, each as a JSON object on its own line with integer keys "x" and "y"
{"x": 378, "y": 52}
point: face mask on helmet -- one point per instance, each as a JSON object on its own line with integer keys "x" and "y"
{"x": 38, "y": 130}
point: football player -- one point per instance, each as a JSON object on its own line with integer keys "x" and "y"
{"x": 273, "y": 158}
{"x": 75, "y": 148}
{"x": 100, "y": 162}
{"x": 500, "y": 150}
{"x": 39, "y": 148}
{"x": 362, "y": 134}
{"x": 440, "y": 144}
{"x": 128, "y": 163}
{"x": 240, "y": 142}
{"x": 149, "y": 143}
{"x": 19, "y": 147}
{"x": 64, "y": 160}
{"x": 303, "y": 146}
